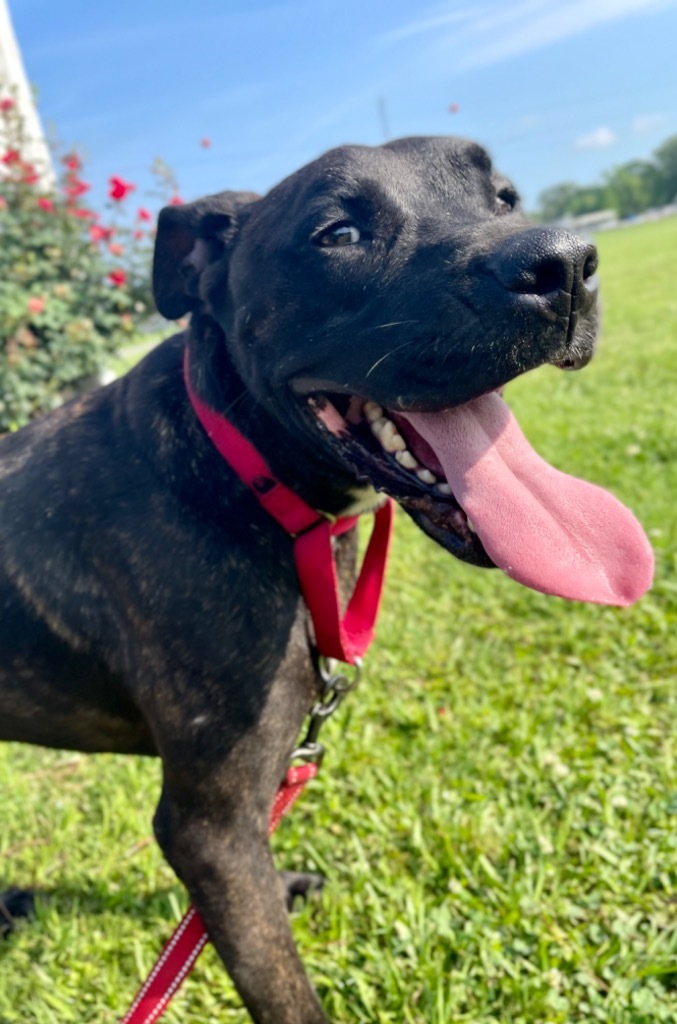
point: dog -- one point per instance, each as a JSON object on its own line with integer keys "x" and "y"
{"x": 357, "y": 324}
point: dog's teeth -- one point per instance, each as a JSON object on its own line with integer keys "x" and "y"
{"x": 471, "y": 527}
{"x": 390, "y": 439}
{"x": 406, "y": 459}
{"x": 384, "y": 429}
{"x": 426, "y": 477}
{"x": 444, "y": 489}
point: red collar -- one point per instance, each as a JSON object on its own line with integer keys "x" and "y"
{"x": 346, "y": 637}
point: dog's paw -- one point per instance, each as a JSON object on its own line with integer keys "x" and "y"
{"x": 297, "y": 886}
{"x": 14, "y": 903}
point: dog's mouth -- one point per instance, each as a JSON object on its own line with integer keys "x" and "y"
{"x": 389, "y": 454}
{"x": 469, "y": 478}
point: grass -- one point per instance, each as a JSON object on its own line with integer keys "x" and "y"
{"x": 138, "y": 346}
{"x": 496, "y": 814}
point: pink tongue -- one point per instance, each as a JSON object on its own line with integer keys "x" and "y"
{"x": 547, "y": 530}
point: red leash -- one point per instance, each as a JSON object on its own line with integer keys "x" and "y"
{"x": 344, "y": 638}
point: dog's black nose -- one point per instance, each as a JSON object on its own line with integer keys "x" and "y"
{"x": 547, "y": 262}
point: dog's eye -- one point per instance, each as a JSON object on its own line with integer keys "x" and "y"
{"x": 343, "y": 233}
{"x": 506, "y": 200}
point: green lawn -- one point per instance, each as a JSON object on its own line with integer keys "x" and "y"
{"x": 497, "y": 812}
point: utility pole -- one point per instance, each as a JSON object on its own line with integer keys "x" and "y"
{"x": 383, "y": 116}
{"x": 14, "y": 84}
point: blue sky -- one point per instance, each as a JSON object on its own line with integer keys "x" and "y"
{"x": 556, "y": 89}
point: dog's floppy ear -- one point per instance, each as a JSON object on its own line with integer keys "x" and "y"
{"x": 188, "y": 238}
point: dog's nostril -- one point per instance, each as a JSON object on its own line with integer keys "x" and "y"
{"x": 590, "y": 266}
{"x": 548, "y": 276}
{"x": 540, "y": 276}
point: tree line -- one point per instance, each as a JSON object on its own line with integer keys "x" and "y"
{"x": 628, "y": 189}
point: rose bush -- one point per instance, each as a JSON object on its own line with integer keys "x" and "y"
{"x": 72, "y": 288}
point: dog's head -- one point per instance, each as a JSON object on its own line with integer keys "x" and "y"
{"x": 374, "y": 292}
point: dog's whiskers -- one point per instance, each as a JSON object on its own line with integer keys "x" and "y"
{"x": 240, "y": 398}
{"x": 409, "y": 341}
{"x": 393, "y": 323}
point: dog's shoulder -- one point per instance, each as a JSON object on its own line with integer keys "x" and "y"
{"x": 91, "y": 434}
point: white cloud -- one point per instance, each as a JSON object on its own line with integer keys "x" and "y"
{"x": 550, "y": 22}
{"x": 643, "y": 124}
{"x": 496, "y": 31}
{"x": 435, "y": 21}
{"x": 599, "y": 139}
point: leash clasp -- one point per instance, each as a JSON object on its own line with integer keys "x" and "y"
{"x": 336, "y": 684}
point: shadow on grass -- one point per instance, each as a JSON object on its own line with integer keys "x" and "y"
{"x": 92, "y": 899}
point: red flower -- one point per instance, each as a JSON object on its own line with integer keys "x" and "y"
{"x": 119, "y": 188}
{"x": 36, "y": 305}
{"x": 138, "y": 235}
{"x": 7, "y": 105}
{"x": 12, "y": 156}
{"x": 46, "y": 204}
{"x": 28, "y": 175}
{"x": 82, "y": 214}
{"x": 76, "y": 187}
{"x": 144, "y": 214}
{"x": 116, "y": 249}
{"x": 3, "y": 203}
{"x": 99, "y": 234}
{"x": 176, "y": 201}
{"x": 72, "y": 161}
{"x": 205, "y": 143}
{"x": 117, "y": 277}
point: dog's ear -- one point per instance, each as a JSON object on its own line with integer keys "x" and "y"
{"x": 188, "y": 238}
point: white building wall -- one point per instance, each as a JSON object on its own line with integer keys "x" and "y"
{"x": 13, "y": 82}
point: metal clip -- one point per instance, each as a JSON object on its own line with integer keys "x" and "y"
{"x": 335, "y": 685}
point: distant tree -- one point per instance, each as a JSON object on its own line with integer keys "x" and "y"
{"x": 666, "y": 163}
{"x": 571, "y": 200}
{"x": 632, "y": 187}
{"x": 588, "y": 199}
{"x": 556, "y": 201}
{"x": 629, "y": 189}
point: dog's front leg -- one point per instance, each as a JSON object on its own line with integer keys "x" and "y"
{"x": 227, "y": 866}
{"x": 220, "y": 777}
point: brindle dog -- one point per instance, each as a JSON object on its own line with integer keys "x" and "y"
{"x": 148, "y": 604}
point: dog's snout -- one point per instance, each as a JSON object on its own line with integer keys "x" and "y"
{"x": 545, "y": 262}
